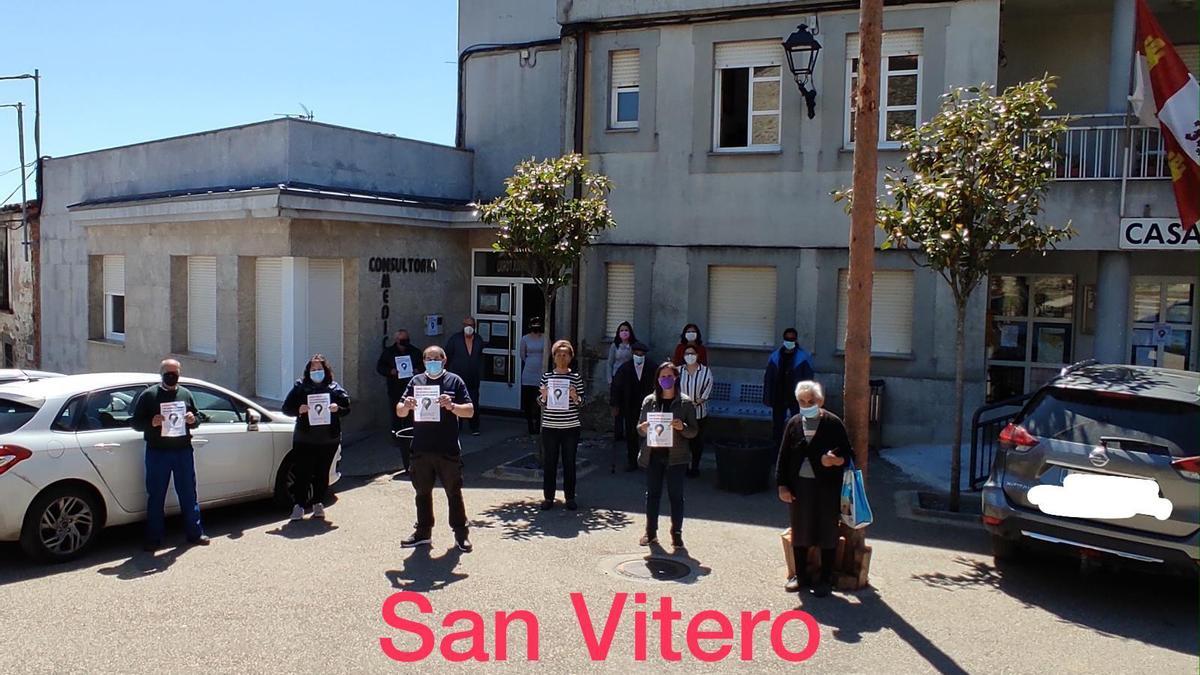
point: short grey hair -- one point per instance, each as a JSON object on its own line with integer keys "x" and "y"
{"x": 810, "y": 387}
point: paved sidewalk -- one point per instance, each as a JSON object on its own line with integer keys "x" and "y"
{"x": 376, "y": 453}
{"x": 929, "y": 464}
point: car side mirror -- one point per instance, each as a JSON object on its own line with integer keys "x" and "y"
{"x": 253, "y": 418}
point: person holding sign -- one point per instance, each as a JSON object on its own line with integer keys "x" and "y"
{"x": 166, "y": 415}
{"x": 398, "y": 364}
{"x": 560, "y": 396}
{"x": 436, "y": 453}
{"x": 665, "y": 452}
{"x": 812, "y": 457}
{"x": 318, "y": 403}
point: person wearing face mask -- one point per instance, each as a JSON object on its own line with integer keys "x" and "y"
{"x": 696, "y": 382}
{"x": 314, "y": 446}
{"x": 396, "y": 384}
{"x": 168, "y": 456}
{"x": 812, "y": 457}
{"x": 533, "y": 345}
{"x": 690, "y": 337}
{"x": 464, "y": 357}
{"x": 786, "y": 366}
{"x": 437, "y": 455}
{"x": 620, "y": 352}
{"x": 666, "y": 464}
{"x": 630, "y": 386}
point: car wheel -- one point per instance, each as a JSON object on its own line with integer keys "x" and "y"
{"x": 61, "y": 524}
{"x": 1005, "y": 550}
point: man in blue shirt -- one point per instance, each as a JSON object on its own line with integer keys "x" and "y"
{"x": 436, "y": 453}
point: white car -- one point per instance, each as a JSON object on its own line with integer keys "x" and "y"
{"x": 70, "y": 464}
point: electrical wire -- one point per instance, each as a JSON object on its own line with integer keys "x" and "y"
{"x": 17, "y": 168}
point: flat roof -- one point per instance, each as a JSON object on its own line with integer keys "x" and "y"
{"x": 288, "y": 187}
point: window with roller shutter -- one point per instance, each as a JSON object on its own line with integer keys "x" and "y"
{"x": 748, "y": 83}
{"x": 624, "y": 66}
{"x": 1191, "y": 58}
{"x": 741, "y": 305}
{"x": 325, "y": 304}
{"x": 899, "y": 84}
{"x": 202, "y": 304}
{"x": 114, "y": 297}
{"x": 620, "y": 299}
{"x": 891, "y": 311}
{"x": 268, "y": 327}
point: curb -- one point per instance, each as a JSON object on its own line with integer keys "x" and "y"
{"x": 908, "y": 505}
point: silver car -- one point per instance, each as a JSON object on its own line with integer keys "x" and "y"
{"x": 1103, "y": 460}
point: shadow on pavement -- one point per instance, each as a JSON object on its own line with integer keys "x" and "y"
{"x": 144, "y": 564}
{"x": 872, "y": 614}
{"x": 522, "y": 520}
{"x": 303, "y": 529}
{"x": 657, "y": 551}
{"x": 1153, "y": 609}
{"x": 423, "y": 573}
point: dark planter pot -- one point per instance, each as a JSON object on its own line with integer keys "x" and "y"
{"x": 744, "y": 465}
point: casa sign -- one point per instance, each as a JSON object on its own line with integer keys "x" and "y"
{"x": 1158, "y": 234}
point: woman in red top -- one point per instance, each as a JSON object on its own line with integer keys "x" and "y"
{"x": 690, "y": 335}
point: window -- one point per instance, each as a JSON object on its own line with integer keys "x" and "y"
{"x": 270, "y": 374}
{"x": 741, "y": 305}
{"x": 623, "y": 72}
{"x": 1162, "y": 318}
{"x": 14, "y": 415}
{"x": 747, "y": 109}
{"x": 891, "y": 311}
{"x": 1191, "y": 57}
{"x": 5, "y": 269}
{"x": 202, "y": 304}
{"x": 619, "y": 302}
{"x": 325, "y": 305}
{"x": 899, "y": 85}
{"x": 1030, "y": 324}
{"x": 1088, "y": 417}
{"x": 114, "y": 297}
{"x": 109, "y": 409}
{"x": 216, "y": 408}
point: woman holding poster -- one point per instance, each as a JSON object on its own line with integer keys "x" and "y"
{"x": 666, "y": 423}
{"x": 318, "y": 403}
{"x": 560, "y": 395}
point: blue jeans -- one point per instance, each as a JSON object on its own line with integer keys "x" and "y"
{"x": 160, "y": 465}
{"x": 657, "y": 470}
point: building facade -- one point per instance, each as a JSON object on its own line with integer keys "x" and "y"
{"x": 20, "y": 309}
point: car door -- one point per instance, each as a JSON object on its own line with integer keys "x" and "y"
{"x": 103, "y": 432}
{"x": 233, "y": 458}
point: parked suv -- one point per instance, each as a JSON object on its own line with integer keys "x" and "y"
{"x": 1131, "y": 436}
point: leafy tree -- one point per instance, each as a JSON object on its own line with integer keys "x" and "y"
{"x": 545, "y": 229}
{"x": 973, "y": 187}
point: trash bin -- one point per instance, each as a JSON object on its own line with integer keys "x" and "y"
{"x": 744, "y": 465}
{"x": 875, "y": 416}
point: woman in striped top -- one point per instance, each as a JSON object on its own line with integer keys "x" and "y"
{"x": 696, "y": 382}
{"x": 560, "y": 428}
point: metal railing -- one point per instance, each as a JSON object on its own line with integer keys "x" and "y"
{"x": 985, "y": 433}
{"x": 1106, "y": 146}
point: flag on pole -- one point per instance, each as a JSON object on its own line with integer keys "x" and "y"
{"x": 1168, "y": 97}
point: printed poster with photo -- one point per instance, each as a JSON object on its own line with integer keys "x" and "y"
{"x": 659, "y": 433}
{"x": 318, "y": 410}
{"x": 174, "y": 416}
{"x": 428, "y": 409}
{"x": 404, "y": 367}
{"x": 558, "y": 394}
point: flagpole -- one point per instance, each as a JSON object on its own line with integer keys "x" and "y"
{"x": 1133, "y": 64}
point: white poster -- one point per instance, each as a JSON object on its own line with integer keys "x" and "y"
{"x": 174, "y": 414}
{"x": 404, "y": 367}
{"x": 318, "y": 410}
{"x": 428, "y": 409}
{"x": 558, "y": 394}
{"x": 659, "y": 433}
{"x": 1162, "y": 334}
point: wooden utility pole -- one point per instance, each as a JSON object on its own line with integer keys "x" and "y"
{"x": 856, "y": 557}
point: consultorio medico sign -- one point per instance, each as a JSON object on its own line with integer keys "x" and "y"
{"x": 1158, "y": 234}
{"x": 386, "y": 267}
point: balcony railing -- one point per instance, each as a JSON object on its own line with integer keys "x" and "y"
{"x": 1094, "y": 147}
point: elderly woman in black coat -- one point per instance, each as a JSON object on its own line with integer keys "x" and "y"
{"x": 812, "y": 458}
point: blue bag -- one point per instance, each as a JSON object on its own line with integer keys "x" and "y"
{"x": 856, "y": 510}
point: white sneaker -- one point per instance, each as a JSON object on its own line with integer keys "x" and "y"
{"x": 319, "y": 511}
{"x": 297, "y": 512}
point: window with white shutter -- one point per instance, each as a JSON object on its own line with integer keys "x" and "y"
{"x": 741, "y": 305}
{"x": 1191, "y": 58}
{"x": 748, "y": 83}
{"x": 269, "y": 374}
{"x": 202, "y": 304}
{"x": 325, "y": 304}
{"x": 899, "y": 84}
{"x": 619, "y": 304}
{"x": 624, "y": 67}
{"x": 114, "y": 297}
{"x": 891, "y": 311}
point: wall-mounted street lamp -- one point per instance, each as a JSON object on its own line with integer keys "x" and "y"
{"x": 802, "y": 49}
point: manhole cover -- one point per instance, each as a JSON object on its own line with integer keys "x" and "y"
{"x": 654, "y": 569}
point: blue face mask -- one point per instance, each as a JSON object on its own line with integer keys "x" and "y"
{"x": 317, "y": 376}
{"x": 433, "y": 368}
{"x": 810, "y": 412}
{"x": 789, "y": 345}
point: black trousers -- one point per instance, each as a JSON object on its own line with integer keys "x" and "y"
{"x": 399, "y": 423}
{"x": 311, "y": 471}
{"x": 556, "y": 443}
{"x": 473, "y": 392}
{"x": 448, "y": 469}
{"x": 779, "y": 417}
{"x": 529, "y": 405}
{"x": 632, "y": 440}
{"x": 697, "y": 443}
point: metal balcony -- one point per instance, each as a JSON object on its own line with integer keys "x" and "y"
{"x": 1108, "y": 147}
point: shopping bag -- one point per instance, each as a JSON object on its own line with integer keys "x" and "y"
{"x": 856, "y": 511}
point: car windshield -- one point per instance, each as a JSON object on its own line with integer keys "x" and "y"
{"x": 14, "y": 415}
{"x": 1087, "y": 417}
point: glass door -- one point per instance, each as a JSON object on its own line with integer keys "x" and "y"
{"x": 1162, "y": 323}
{"x": 1030, "y": 331}
{"x": 496, "y": 307}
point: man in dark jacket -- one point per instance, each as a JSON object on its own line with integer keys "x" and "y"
{"x": 786, "y": 367}
{"x": 398, "y": 363}
{"x": 166, "y": 414}
{"x": 631, "y": 384}
{"x": 464, "y": 357}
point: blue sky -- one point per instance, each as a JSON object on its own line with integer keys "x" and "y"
{"x": 126, "y": 71}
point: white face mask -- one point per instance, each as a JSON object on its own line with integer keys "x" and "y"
{"x": 468, "y": 330}
{"x": 690, "y": 335}
{"x": 690, "y": 359}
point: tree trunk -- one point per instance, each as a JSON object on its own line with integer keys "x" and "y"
{"x": 854, "y": 564}
{"x": 960, "y": 352}
{"x": 548, "y": 293}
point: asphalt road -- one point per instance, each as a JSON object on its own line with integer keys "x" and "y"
{"x": 307, "y": 597}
